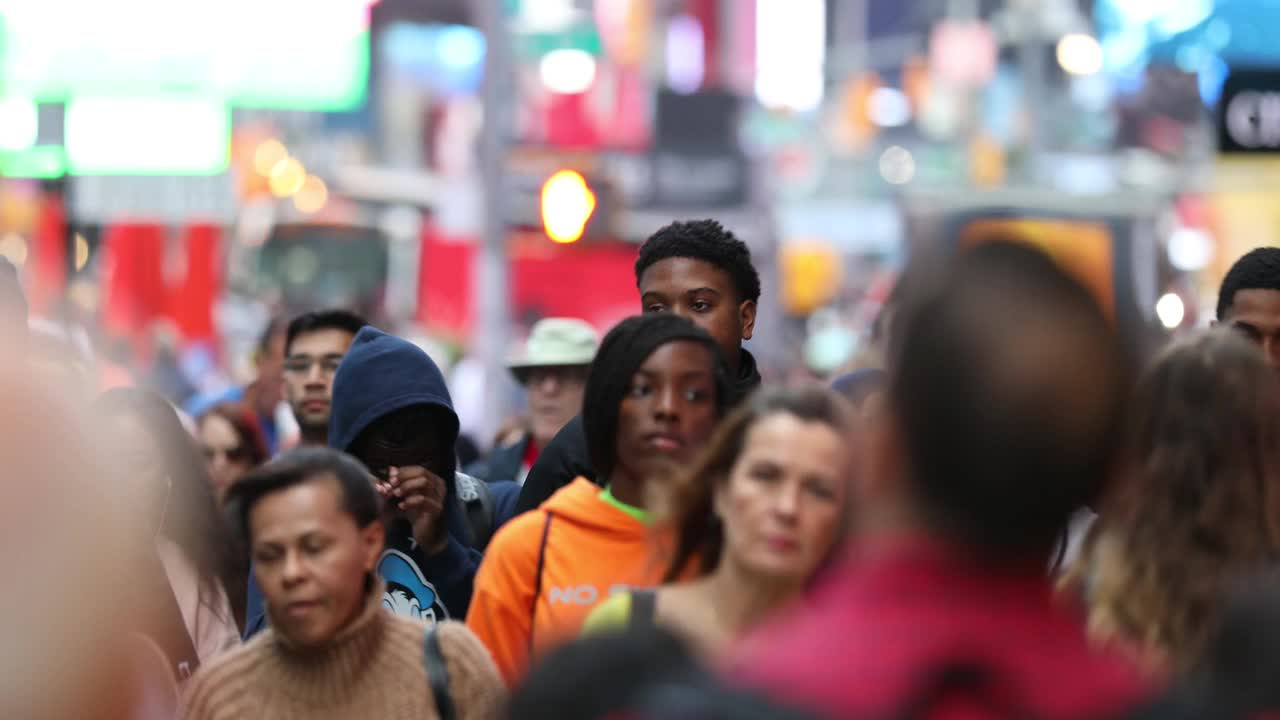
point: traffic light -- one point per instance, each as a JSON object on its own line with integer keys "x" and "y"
{"x": 567, "y": 205}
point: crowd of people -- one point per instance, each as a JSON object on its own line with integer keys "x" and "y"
{"x": 1013, "y": 518}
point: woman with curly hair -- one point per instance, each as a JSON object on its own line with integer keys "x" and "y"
{"x": 1197, "y": 511}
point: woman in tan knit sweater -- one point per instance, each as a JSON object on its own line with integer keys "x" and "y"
{"x": 311, "y": 519}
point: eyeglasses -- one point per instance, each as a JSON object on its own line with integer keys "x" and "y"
{"x": 238, "y": 453}
{"x": 302, "y": 364}
{"x": 562, "y": 375}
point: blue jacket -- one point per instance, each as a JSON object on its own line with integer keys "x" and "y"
{"x": 380, "y": 374}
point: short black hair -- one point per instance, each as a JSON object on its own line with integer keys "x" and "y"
{"x": 300, "y": 466}
{"x": 1258, "y": 269}
{"x": 1005, "y": 433}
{"x": 705, "y": 240}
{"x": 331, "y": 319}
{"x": 621, "y": 353}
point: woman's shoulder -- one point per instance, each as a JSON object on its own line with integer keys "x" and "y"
{"x": 474, "y": 683}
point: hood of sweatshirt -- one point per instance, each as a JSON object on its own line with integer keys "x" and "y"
{"x": 380, "y": 374}
{"x": 580, "y": 504}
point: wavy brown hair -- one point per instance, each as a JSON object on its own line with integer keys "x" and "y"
{"x": 1197, "y": 511}
{"x": 699, "y": 535}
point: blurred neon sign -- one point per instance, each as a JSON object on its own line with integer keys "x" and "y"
{"x": 295, "y": 54}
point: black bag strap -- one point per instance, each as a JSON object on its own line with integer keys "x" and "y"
{"x": 438, "y": 674}
{"x": 644, "y": 609}
{"x": 477, "y": 503}
{"x": 537, "y": 583}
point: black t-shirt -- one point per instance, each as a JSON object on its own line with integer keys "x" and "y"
{"x": 565, "y": 457}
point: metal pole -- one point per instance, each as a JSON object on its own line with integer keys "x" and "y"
{"x": 490, "y": 292}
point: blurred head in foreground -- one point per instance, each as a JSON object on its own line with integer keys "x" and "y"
{"x": 1005, "y": 395}
{"x": 67, "y": 545}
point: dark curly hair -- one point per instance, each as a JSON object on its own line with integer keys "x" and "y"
{"x": 1258, "y": 269}
{"x": 705, "y": 240}
{"x": 1199, "y": 509}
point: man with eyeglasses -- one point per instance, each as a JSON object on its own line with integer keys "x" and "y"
{"x": 553, "y": 371}
{"x": 314, "y": 346}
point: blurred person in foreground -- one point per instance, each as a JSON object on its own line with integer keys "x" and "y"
{"x": 315, "y": 344}
{"x": 312, "y": 519}
{"x": 71, "y": 619}
{"x": 553, "y": 372}
{"x": 758, "y": 513}
{"x": 265, "y": 393}
{"x": 701, "y": 272}
{"x": 1198, "y": 510}
{"x": 1249, "y": 300}
{"x": 652, "y": 399}
{"x": 13, "y": 302}
{"x": 638, "y": 673}
{"x": 1236, "y": 678}
{"x": 1005, "y": 401}
{"x": 158, "y": 462}
{"x": 232, "y": 442}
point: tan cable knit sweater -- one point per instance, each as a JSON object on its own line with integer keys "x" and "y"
{"x": 373, "y": 669}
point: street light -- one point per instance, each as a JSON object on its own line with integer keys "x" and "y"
{"x": 567, "y": 205}
{"x": 1080, "y": 54}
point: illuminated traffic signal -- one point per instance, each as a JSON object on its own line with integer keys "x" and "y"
{"x": 567, "y": 205}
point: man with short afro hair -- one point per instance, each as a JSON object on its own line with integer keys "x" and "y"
{"x": 1249, "y": 300}
{"x": 700, "y": 271}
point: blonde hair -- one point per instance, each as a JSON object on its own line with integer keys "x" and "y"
{"x": 1198, "y": 509}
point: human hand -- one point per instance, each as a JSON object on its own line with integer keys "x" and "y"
{"x": 419, "y": 495}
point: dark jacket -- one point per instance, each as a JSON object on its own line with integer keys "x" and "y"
{"x": 380, "y": 374}
{"x": 500, "y": 471}
{"x": 502, "y": 463}
{"x": 565, "y": 458}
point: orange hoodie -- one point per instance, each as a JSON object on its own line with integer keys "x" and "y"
{"x": 545, "y": 570}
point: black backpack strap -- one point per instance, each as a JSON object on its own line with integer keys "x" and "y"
{"x": 438, "y": 674}
{"x": 477, "y": 502}
{"x": 644, "y": 609}
{"x": 537, "y": 583}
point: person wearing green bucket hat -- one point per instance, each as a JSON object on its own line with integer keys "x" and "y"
{"x": 553, "y": 371}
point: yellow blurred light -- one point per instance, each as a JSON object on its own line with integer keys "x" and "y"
{"x": 1080, "y": 54}
{"x": 82, "y": 252}
{"x": 13, "y": 247}
{"x": 312, "y": 196}
{"x": 287, "y": 177}
{"x": 267, "y": 154}
{"x": 567, "y": 205}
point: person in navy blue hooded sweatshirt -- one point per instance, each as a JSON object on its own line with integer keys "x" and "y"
{"x": 392, "y": 411}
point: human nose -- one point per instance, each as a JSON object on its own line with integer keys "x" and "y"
{"x": 666, "y": 404}
{"x": 293, "y": 570}
{"x": 1271, "y": 347}
{"x": 786, "y": 504}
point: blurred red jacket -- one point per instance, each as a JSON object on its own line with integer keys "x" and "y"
{"x": 915, "y": 630}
